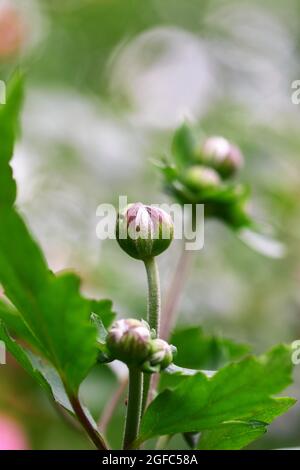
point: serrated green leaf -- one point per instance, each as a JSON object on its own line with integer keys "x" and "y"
{"x": 195, "y": 350}
{"x": 103, "y": 310}
{"x": 232, "y": 435}
{"x": 52, "y": 307}
{"x": 65, "y": 328}
{"x": 45, "y": 375}
{"x": 20, "y": 354}
{"x": 53, "y": 316}
{"x": 235, "y": 435}
{"x": 240, "y": 391}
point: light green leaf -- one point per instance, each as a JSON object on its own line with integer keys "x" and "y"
{"x": 183, "y": 146}
{"x": 233, "y": 435}
{"x": 240, "y": 391}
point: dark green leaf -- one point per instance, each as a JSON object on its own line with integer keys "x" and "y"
{"x": 53, "y": 308}
{"x": 9, "y": 118}
{"x": 14, "y": 322}
{"x": 195, "y": 350}
{"x": 103, "y": 310}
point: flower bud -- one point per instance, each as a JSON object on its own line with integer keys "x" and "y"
{"x": 161, "y": 356}
{"x": 222, "y": 155}
{"x": 144, "y": 231}
{"x": 129, "y": 341}
{"x": 201, "y": 178}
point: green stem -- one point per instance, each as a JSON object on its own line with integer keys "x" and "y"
{"x": 153, "y": 314}
{"x": 134, "y": 407}
{"x": 93, "y": 434}
{"x": 153, "y": 295}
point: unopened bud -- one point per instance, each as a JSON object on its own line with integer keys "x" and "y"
{"x": 161, "y": 356}
{"x": 201, "y": 178}
{"x": 129, "y": 341}
{"x": 222, "y": 155}
{"x": 144, "y": 231}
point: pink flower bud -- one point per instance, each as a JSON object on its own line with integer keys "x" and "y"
{"x": 129, "y": 341}
{"x": 144, "y": 231}
{"x": 222, "y": 155}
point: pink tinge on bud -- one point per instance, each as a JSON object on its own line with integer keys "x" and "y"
{"x": 12, "y": 436}
{"x": 12, "y": 31}
{"x": 146, "y": 219}
{"x": 217, "y": 146}
{"x": 123, "y": 327}
{"x": 144, "y": 231}
{"x": 225, "y": 156}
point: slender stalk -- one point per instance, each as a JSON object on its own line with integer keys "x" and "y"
{"x": 134, "y": 407}
{"x": 153, "y": 314}
{"x": 153, "y": 295}
{"x": 93, "y": 434}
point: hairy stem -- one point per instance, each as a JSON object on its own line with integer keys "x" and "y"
{"x": 134, "y": 407}
{"x": 153, "y": 314}
{"x": 93, "y": 434}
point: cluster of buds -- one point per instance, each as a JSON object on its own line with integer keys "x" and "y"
{"x": 216, "y": 160}
{"x": 132, "y": 342}
{"x": 202, "y": 173}
{"x": 144, "y": 231}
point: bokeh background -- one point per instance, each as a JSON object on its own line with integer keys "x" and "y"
{"x": 108, "y": 81}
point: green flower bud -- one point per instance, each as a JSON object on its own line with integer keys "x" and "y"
{"x": 144, "y": 231}
{"x": 161, "y": 356}
{"x": 222, "y": 155}
{"x": 129, "y": 341}
{"x": 201, "y": 178}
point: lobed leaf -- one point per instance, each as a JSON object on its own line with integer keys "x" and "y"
{"x": 50, "y": 312}
{"x": 241, "y": 391}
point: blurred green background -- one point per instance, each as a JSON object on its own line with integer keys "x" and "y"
{"x": 108, "y": 81}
